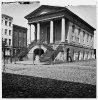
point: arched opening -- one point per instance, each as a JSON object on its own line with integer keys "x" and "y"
{"x": 68, "y": 50}
{"x": 38, "y": 52}
{"x": 83, "y": 55}
{"x": 78, "y": 54}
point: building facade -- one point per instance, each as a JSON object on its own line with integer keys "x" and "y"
{"x": 60, "y": 35}
{"x": 19, "y": 39}
{"x": 7, "y": 24}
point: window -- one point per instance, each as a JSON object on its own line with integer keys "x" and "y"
{"x": 5, "y": 41}
{"x": 2, "y": 22}
{"x": 6, "y": 23}
{"x": 72, "y": 38}
{"x": 5, "y": 18}
{"x": 2, "y": 31}
{"x": 19, "y": 42}
{"x": 5, "y": 31}
{"x": 91, "y": 41}
{"x": 9, "y": 32}
{"x": 24, "y": 43}
{"x": 9, "y": 41}
{"x": 78, "y": 35}
{"x": 24, "y": 36}
{"x": 24, "y": 39}
{"x": 10, "y": 24}
{"x": 83, "y": 36}
{"x": 73, "y": 28}
{"x": 19, "y": 34}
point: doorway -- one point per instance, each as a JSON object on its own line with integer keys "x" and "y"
{"x": 38, "y": 52}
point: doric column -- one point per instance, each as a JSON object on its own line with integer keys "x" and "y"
{"x": 38, "y": 31}
{"x": 33, "y": 31}
{"x": 29, "y": 31}
{"x": 63, "y": 30}
{"x": 51, "y": 31}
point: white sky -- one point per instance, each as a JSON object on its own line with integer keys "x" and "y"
{"x": 18, "y": 11}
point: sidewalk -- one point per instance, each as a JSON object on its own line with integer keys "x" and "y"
{"x": 31, "y": 63}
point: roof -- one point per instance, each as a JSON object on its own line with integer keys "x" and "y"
{"x": 58, "y": 9}
{"x": 19, "y": 26}
{"x": 43, "y": 6}
{"x": 4, "y": 15}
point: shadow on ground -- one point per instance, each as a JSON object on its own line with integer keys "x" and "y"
{"x": 19, "y": 86}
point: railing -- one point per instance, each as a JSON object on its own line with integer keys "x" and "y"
{"x": 24, "y": 51}
{"x": 51, "y": 54}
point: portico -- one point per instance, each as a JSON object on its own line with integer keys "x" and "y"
{"x": 50, "y": 30}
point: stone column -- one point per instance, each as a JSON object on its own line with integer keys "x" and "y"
{"x": 63, "y": 30}
{"x": 51, "y": 31}
{"x": 29, "y": 32}
{"x": 38, "y": 31}
{"x": 32, "y": 32}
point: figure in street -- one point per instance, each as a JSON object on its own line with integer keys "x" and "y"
{"x": 33, "y": 58}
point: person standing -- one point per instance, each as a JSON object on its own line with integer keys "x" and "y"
{"x": 33, "y": 58}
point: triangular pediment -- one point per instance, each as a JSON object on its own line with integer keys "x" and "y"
{"x": 44, "y": 9}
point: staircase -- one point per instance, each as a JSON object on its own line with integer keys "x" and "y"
{"x": 58, "y": 49}
{"x": 23, "y": 53}
{"x": 50, "y": 55}
{"x": 30, "y": 46}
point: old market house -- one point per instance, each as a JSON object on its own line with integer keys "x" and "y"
{"x": 59, "y": 35}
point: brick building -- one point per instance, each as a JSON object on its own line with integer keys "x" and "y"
{"x": 59, "y": 35}
{"x": 7, "y": 24}
{"x": 19, "y": 39}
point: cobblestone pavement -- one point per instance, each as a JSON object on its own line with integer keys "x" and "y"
{"x": 83, "y": 72}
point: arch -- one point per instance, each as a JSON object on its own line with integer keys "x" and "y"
{"x": 83, "y": 54}
{"x": 69, "y": 57}
{"x": 38, "y": 51}
{"x": 78, "y": 54}
{"x": 68, "y": 51}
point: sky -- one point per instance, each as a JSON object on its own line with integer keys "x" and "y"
{"x": 19, "y": 11}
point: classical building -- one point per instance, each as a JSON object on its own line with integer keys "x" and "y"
{"x": 60, "y": 35}
{"x": 7, "y": 24}
{"x": 19, "y": 39}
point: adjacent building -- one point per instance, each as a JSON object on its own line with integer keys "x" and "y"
{"x": 14, "y": 37}
{"x": 60, "y": 35}
{"x": 19, "y": 39}
{"x": 7, "y": 25}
